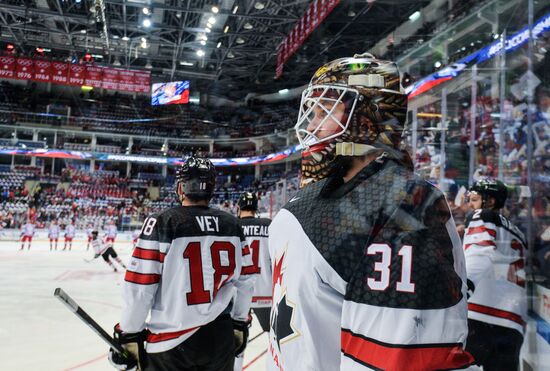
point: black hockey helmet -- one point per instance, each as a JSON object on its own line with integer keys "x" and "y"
{"x": 491, "y": 188}
{"x": 248, "y": 201}
{"x": 196, "y": 179}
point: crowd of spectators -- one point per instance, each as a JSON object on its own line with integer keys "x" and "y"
{"x": 122, "y": 114}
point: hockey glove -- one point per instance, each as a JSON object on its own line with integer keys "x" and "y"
{"x": 134, "y": 356}
{"x": 240, "y": 333}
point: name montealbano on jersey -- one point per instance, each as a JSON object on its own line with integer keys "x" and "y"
{"x": 255, "y": 230}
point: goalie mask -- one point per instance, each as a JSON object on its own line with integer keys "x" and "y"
{"x": 196, "y": 179}
{"x": 352, "y": 107}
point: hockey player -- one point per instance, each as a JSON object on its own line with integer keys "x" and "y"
{"x": 183, "y": 274}
{"x": 53, "y": 234}
{"x": 89, "y": 231}
{"x": 368, "y": 269}
{"x": 110, "y": 233}
{"x": 27, "y": 233}
{"x": 255, "y": 231}
{"x": 70, "y": 232}
{"x": 106, "y": 251}
{"x": 497, "y": 307}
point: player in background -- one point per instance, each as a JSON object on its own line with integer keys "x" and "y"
{"x": 255, "y": 231}
{"x": 497, "y": 308}
{"x": 27, "y": 232}
{"x": 183, "y": 275}
{"x": 368, "y": 268}
{"x": 135, "y": 237}
{"x": 53, "y": 234}
{"x": 110, "y": 233}
{"x": 89, "y": 231}
{"x": 106, "y": 251}
{"x": 70, "y": 232}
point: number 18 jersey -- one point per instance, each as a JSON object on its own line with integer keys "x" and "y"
{"x": 184, "y": 272}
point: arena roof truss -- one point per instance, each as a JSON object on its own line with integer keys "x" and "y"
{"x": 240, "y": 49}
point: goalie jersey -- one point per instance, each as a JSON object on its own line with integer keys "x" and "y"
{"x": 183, "y": 273}
{"x": 494, "y": 250}
{"x": 368, "y": 275}
{"x": 255, "y": 231}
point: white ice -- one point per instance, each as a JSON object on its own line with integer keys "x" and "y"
{"x": 39, "y": 333}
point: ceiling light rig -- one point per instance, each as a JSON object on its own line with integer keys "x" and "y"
{"x": 215, "y": 9}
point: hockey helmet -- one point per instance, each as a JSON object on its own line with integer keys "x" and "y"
{"x": 352, "y": 106}
{"x": 248, "y": 201}
{"x": 491, "y": 188}
{"x": 196, "y": 179}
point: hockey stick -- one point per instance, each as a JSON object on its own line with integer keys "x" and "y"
{"x": 80, "y": 313}
{"x": 89, "y": 260}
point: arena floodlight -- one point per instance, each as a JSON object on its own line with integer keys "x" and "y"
{"x": 215, "y": 9}
{"x": 413, "y": 17}
{"x": 146, "y": 22}
{"x": 200, "y": 53}
{"x": 212, "y": 20}
{"x": 145, "y": 10}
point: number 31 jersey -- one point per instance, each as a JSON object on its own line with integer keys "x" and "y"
{"x": 184, "y": 272}
{"x": 367, "y": 275}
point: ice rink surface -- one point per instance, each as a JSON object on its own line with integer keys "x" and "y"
{"x": 40, "y": 334}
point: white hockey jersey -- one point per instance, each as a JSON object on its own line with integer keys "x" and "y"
{"x": 184, "y": 273}
{"x": 28, "y": 230}
{"x": 70, "y": 231}
{"x": 98, "y": 246}
{"x": 111, "y": 231}
{"x": 494, "y": 250}
{"x": 53, "y": 231}
{"x": 367, "y": 275}
{"x": 255, "y": 231}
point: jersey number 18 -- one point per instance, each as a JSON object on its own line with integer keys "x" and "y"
{"x": 198, "y": 294}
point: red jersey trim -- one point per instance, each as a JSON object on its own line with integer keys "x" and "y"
{"x": 496, "y": 313}
{"x": 165, "y": 336}
{"x": 142, "y": 278}
{"x": 145, "y": 254}
{"x": 480, "y": 243}
{"x": 482, "y": 229}
{"x": 410, "y": 357}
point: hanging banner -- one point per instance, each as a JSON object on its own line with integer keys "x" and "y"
{"x": 7, "y": 67}
{"x": 64, "y": 73}
{"x": 142, "y": 81}
{"x": 60, "y": 73}
{"x": 318, "y": 10}
{"x": 94, "y": 76}
{"x": 110, "y": 78}
{"x": 42, "y": 71}
{"x": 76, "y": 74}
{"x": 24, "y": 69}
{"x": 126, "y": 80}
